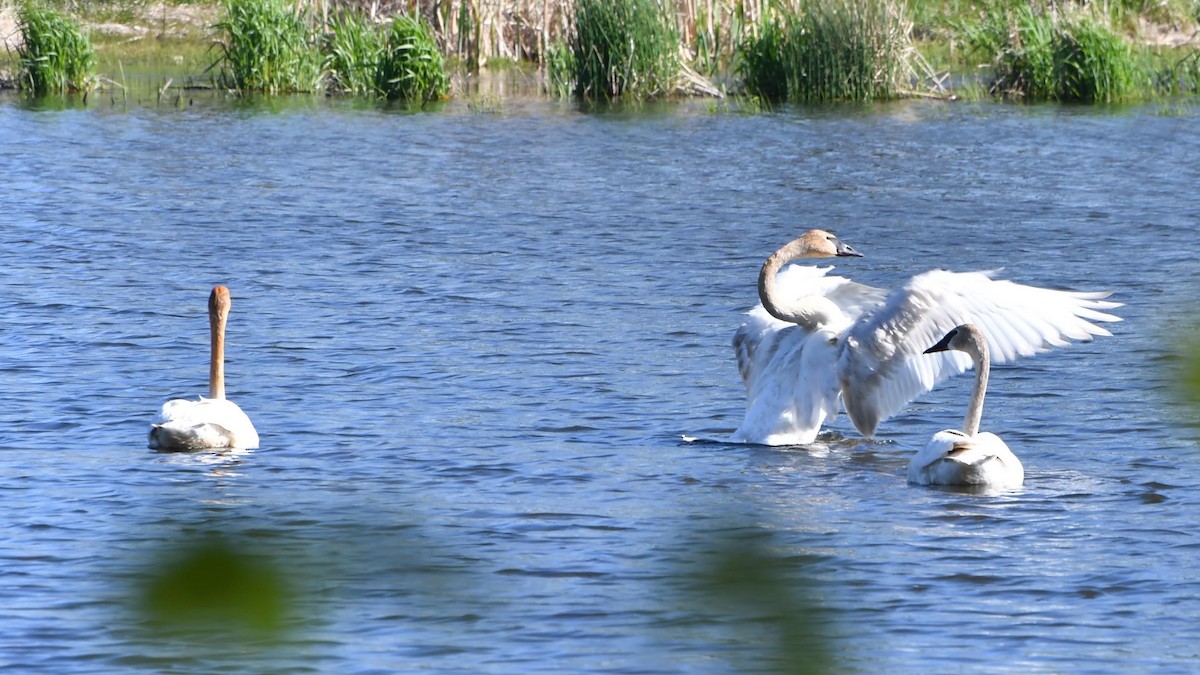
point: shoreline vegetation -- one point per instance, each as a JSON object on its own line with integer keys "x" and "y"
{"x": 760, "y": 52}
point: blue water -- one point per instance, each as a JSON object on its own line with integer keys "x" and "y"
{"x": 472, "y": 345}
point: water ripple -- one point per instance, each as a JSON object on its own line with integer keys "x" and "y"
{"x": 477, "y": 347}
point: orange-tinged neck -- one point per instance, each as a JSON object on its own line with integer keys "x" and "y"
{"x": 218, "y": 314}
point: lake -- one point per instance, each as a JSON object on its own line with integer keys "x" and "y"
{"x": 473, "y": 341}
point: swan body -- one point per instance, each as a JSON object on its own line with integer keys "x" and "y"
{"x": 816, "y": 339}
{"x": 967, "y": 457}
{"x": 200, "y": 425}
{"x": 208, "y": 423}
{"x": 953, "y": 458}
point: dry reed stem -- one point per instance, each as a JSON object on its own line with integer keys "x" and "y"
{"x": 476, "y": 31}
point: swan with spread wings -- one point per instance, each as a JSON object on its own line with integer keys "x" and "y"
{"x": 817, "y": 339}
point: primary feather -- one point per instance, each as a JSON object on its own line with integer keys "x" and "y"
{"x": 863, "y": 347}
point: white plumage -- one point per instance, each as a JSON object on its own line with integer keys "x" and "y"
{"x": 213, "y": 422}
{"x": 817, "y": 338}
{"x": 953, "y": 458}
{"x": 204, "y": 424}
{"x": 967, "y": 457}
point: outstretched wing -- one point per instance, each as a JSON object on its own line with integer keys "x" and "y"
{"x": 881, "y": 363}
{"x": 755, "y": 341}
{"x": 852, "y": 298}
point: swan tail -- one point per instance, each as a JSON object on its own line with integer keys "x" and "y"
{"x": 953, "y": 458}
{"x": 175, "y": 437}
{"x": 744, "y": 348}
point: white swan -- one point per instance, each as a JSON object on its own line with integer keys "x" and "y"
{"x": 967, "y": 457}
{"x": 817, "y": 338}
{"x": 213, "y": 422}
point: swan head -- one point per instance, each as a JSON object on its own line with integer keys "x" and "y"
{"x": 968, "y": 338}
{"x": 811, "y": 310}
{"x": 823, "y": 244}
{"x": 219, "y": 302}
{"x": 965, "y": 338}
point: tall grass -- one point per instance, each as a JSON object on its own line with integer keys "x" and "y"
{"x": 273, "y": 49}
{"x": 764, "y": 61}
{"x": 1042, "y": 56}
{"x": 410, "y": 63}
{"x": 267, "y": 48}
{"x": 1174, "y": 76}
{"x": 474, "y": 32}
{"x": 1092, "y": 63}
{"x": 560, "y": 69}
{"x": 829, "y": 50}
{"x": 624, "y": 48}
{"x": 850, "y": 50}
{"x": 803, "y": 50}
{"x": 1018, "y": 42}
{"x": 351, "y": 49}
{"x": 55, "y": 55}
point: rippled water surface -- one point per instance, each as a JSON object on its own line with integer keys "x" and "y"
{"x": 472, "y": 344}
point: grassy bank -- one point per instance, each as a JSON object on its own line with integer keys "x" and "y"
{"x": 832, "y": 50}
{"x": 795, "y": 50}
{"x": 55, "y": 55}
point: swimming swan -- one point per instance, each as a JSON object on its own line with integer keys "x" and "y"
{"x": 967, "y": 457}
{"x": 817, "y": 338}
{"x": 213, "y": 422}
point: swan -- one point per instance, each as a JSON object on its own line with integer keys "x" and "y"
{"x": 967, "y": 457}
{"x": 816, "y": 339}
{"x": 213, "y": 422}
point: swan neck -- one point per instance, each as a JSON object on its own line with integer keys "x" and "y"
{"x": 982, "y": 370}
{"x": 216, "y": 367}
{"x": 809, "y": 311}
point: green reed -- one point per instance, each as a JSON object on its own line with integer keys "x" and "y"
{"x": 352, "y": 48}
{"x": 1092, "y": 63}
{"x": 267, "y": 47}
{"x": 55, "y": 55}
{"x": 1019, "y": 43}
{"x": 829, "y": 50}
{"x": 762, "y": 62}
{"x": 410, "y": 64}
{"x": 624, "y": 48}
{"x": 1172, "y": 75}
{"x": 850, "y": 50}
{"x": 1040, "y": 56}
{"x": 560, "y": 69}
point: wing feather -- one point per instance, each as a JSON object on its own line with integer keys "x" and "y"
{"x": 790, "y": 372}
{"x": 882, "y": 365}
{"x": 851, "y": 297}
{"x": 754, "y": 340}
